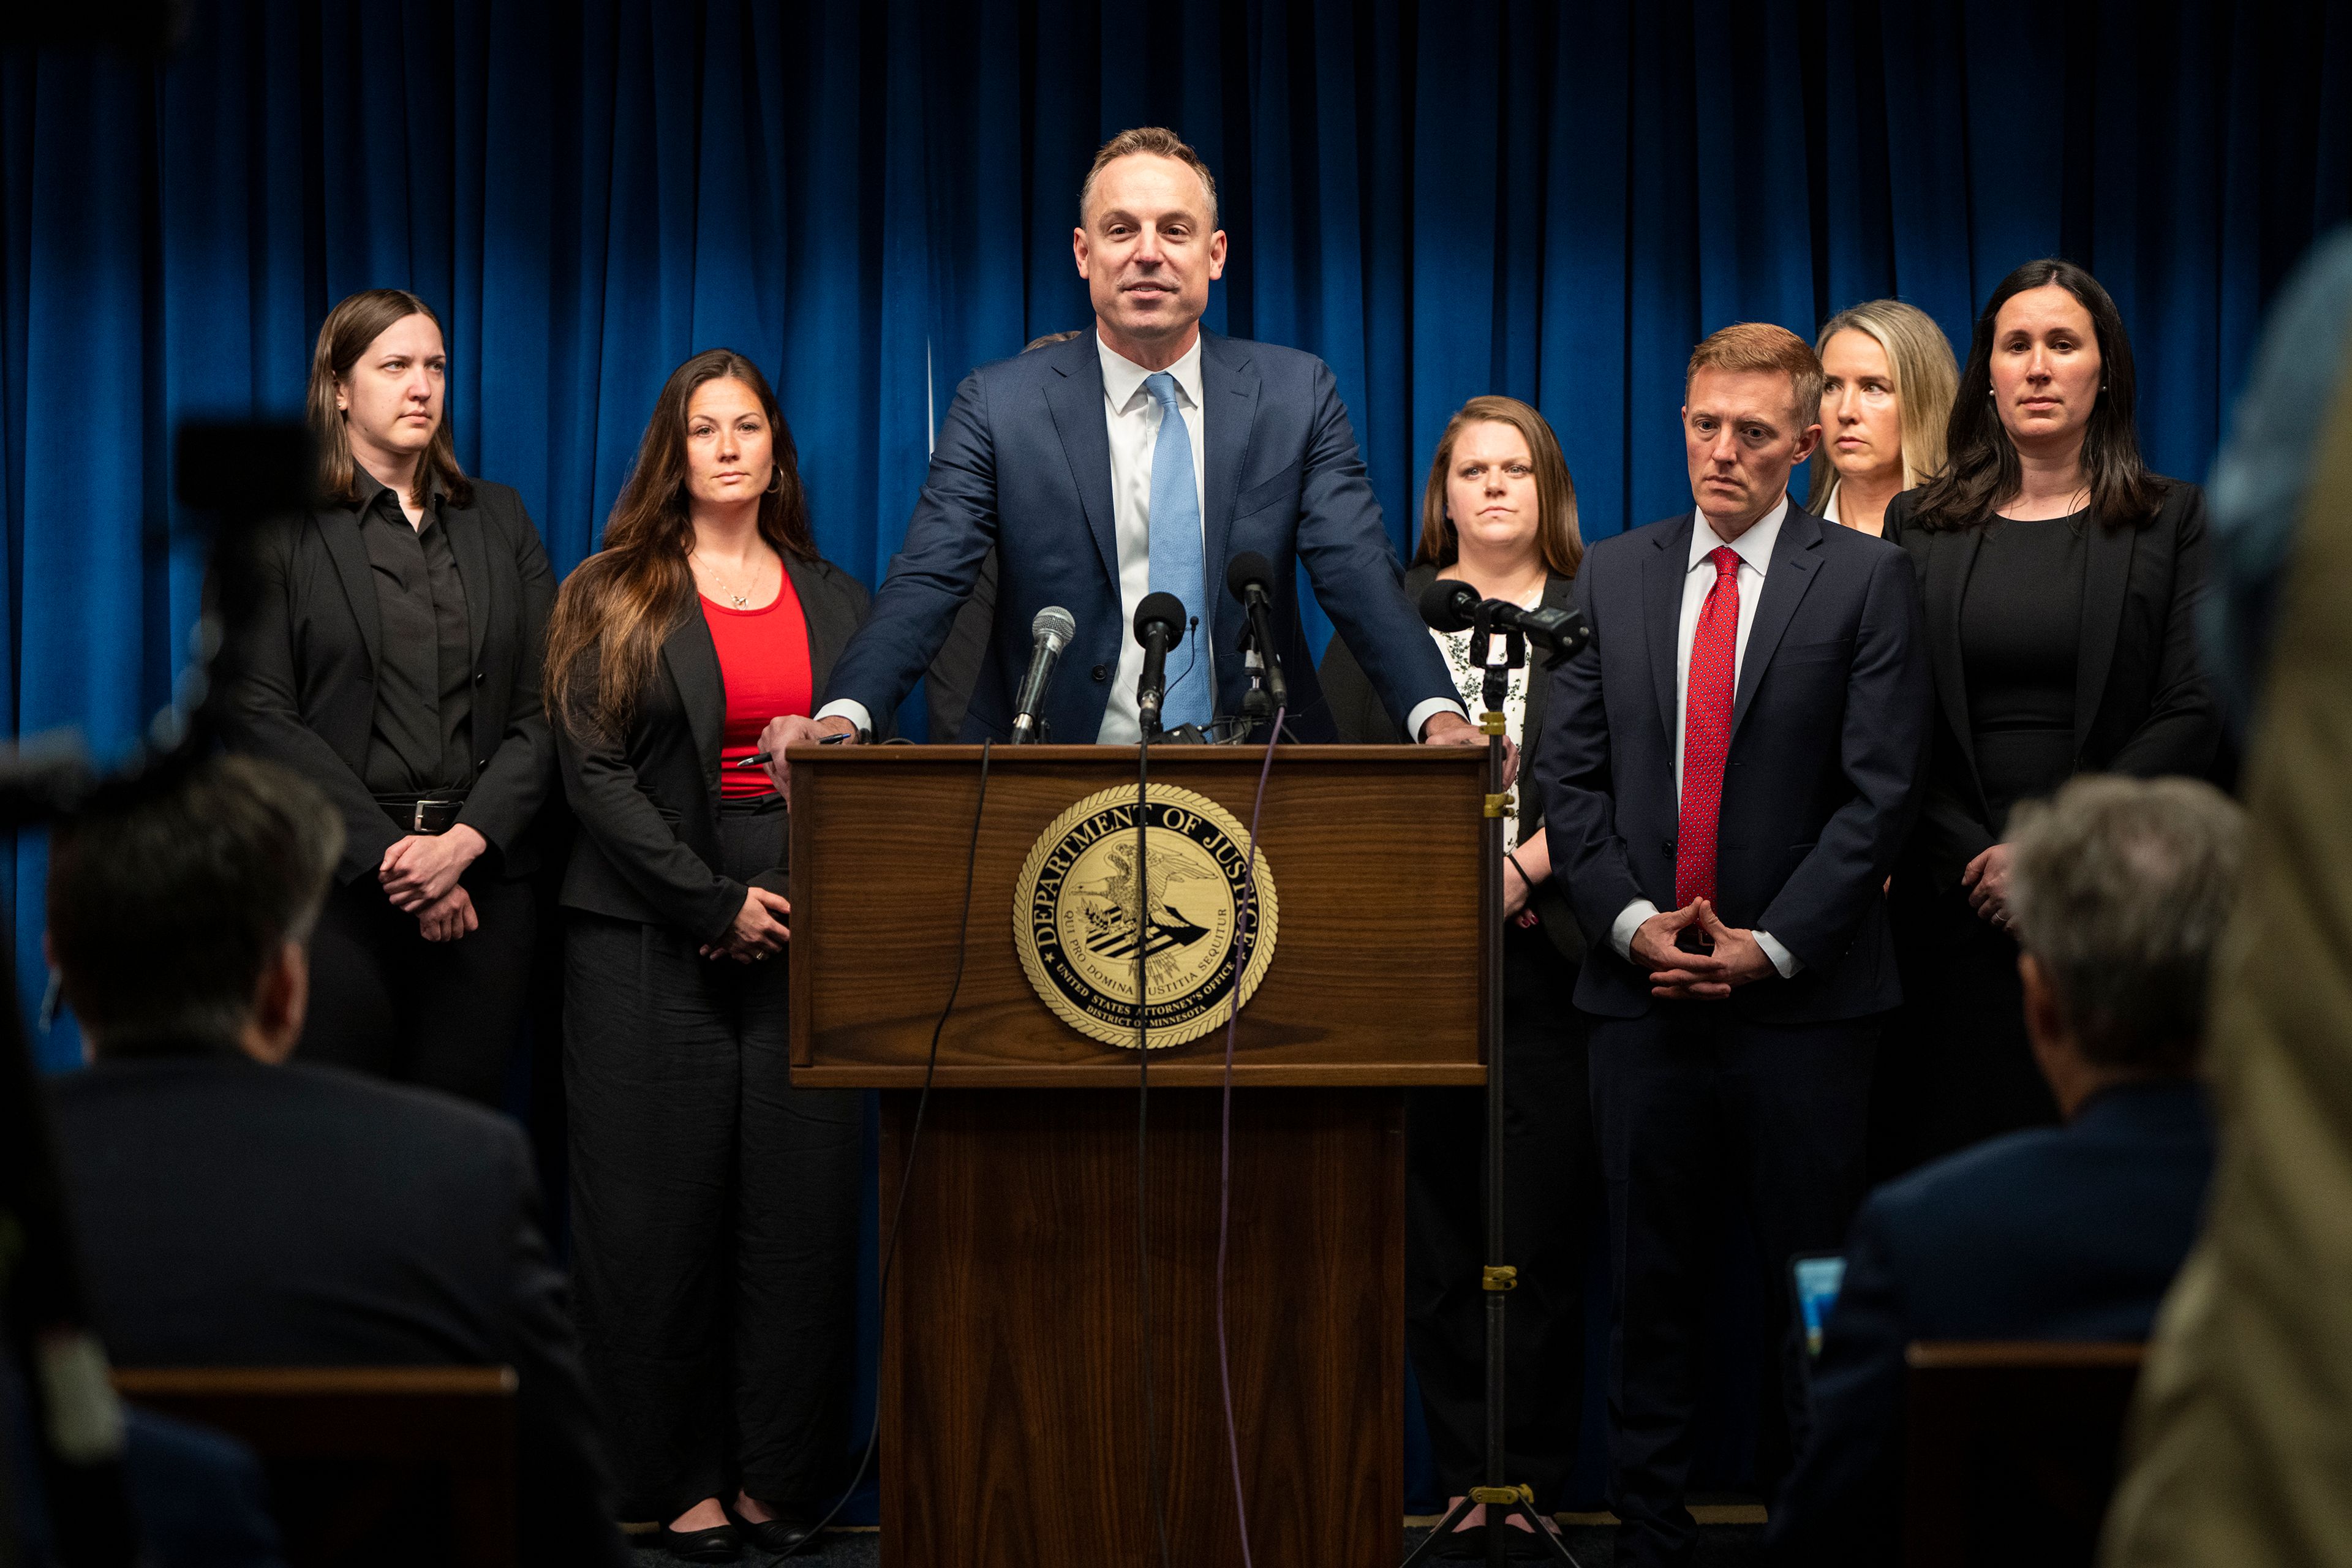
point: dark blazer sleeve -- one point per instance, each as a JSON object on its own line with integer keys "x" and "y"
{"x": 1348, "y": 556}
{"x": 616, "y": 812}
{"x": 266, "y": 712}
{"x": 2183, "y": 727}
{"x": 1842, "y": 1503}
{"x": 563, "y": 1490}
{"x": 1883, "y": 751}
{"x": 510, "y": 791}
{"x": 952, "y": 532}
{"x": 1572, "y": 770}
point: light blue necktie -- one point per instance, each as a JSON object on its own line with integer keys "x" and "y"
{"x": 1176, "y": 565}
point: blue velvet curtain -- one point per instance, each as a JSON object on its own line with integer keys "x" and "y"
{"x": 1554, "y": 201}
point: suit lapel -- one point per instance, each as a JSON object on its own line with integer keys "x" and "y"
{"x": 1661, "y": 585}
{"x": 1076, "y": 398}
{"x": 466, "y": 542}
{"x": 1951, "y": 557}
{"x": 2107, "y": 574}
{"x": 824, "y": 612}
{"x": 340, "y": 530}
{"x": 1229, "y": 390}
{"x": 693, "y": 660}
{"x": 1793, "y": 570}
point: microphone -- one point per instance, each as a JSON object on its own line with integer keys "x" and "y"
{"x": 1159, "y": 626}
{"x": 1450, "y": 605}
{"x": 1247, "y": 578}
{"x": 1053, "y": 628}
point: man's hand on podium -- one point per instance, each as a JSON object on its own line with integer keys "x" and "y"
{"x": 792, "y": 730}
{"x": 759, "y": 930}
{"x": 1452, "y": 730}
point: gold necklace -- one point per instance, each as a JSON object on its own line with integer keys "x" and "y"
{"x": 741, "y": 601}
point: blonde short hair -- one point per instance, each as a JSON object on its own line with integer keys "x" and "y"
{"x": 1927, "y": 379}
{"x": 1762, "y": 346}
{"x": 1154, "y": 139}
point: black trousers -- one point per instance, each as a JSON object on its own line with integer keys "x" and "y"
{"x": 1693, "y": 1104}
{"x": 1955, "y": 1068}
{"x": 714, "y": 1215}
{"x": 445, "y": 1015}
{"x": 1551, "y": 1197}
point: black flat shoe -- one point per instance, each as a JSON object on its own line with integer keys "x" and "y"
{"x": 781, "y": 1535}
{"x": 1462, "y": 1545}
{"x": 720, "y": 1543}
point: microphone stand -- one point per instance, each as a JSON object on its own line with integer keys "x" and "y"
{"x": 1504, "y": 1499}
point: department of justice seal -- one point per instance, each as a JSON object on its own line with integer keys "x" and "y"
{"x": 1074, "y": 916}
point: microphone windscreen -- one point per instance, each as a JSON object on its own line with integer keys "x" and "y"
{"x": 1249, "y": 570}
{"x": 1058, "y": 621}
{"x": 1166, "y": 609}
{"x": 1449, "y": 605}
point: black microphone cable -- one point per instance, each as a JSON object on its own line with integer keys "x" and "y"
{"x": 914, "y": 1136}
{"x": 1143, "y": 1133}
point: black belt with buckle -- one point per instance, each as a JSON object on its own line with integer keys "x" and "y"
{"x": 434, "y": 814}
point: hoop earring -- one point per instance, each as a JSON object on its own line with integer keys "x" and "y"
{"x": 775, "y": 479}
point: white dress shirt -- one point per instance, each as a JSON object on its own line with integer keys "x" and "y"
{"x": 1133, "y": 416}
{"x": 1754, "y": 550}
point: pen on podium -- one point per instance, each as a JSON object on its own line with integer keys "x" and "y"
{"x": 761, "y": 759}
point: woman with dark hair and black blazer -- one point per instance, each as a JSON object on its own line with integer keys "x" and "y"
{"x": 714, "y": 1206}
{"x": 2061, "y": 579}
{"x": 1499, "y": 514}
{"x": 392, "y": 658}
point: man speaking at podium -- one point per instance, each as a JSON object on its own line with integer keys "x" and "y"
{"x": 1135, "y": 459}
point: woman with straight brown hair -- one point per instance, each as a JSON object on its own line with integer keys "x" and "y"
{"x": 2061, "y": 577}
{"x": 393, "y": 661}
{"x": 714, "y": 1206}
{"x": 1499, "y": 514}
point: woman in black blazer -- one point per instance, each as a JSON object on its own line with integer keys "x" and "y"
{"x": 1499, "y": 512}
{"x": 392, "y": 658}
{"x": 714, "y": 1206}
{"x": 2061, "y": 580}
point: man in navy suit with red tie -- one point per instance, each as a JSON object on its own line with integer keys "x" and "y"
{"x": 1729, "y": 769}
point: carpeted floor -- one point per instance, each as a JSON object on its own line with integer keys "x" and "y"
{"x": 1720, "y": 1546}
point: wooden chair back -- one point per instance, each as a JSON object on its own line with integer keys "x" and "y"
{"x": 361, "y": 1457}
{"x": 2010, "y": 1449}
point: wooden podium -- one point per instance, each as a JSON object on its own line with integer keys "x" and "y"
{"x": 1011, "y": 1388}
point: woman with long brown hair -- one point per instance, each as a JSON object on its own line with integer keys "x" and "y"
{"x": 1499, "y": 514}
{"x": 2061, "y": 577}
{"x": 393, "y": 661}
{"x": 714, "y": 1206}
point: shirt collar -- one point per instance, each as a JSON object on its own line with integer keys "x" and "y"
{"x": 1123, "y": 378}
{"x": 1755, "y": 546}
{"x": 367, "y": 487}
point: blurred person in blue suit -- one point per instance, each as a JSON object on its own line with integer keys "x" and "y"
{"x": 1140, "y": 458}
{"x": 2120, "y": 890}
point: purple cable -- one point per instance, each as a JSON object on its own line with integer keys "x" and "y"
{"x": 1225, "y": 1136}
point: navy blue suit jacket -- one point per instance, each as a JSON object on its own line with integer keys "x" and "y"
{"x": 1022, "y": 464}
{"x": 2070, "y": 1233}
{"x": 1829, "y": 742}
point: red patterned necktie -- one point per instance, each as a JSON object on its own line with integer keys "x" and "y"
{"x": 1707, "y": 730}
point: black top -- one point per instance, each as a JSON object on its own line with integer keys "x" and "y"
{"x": 236, "y": 1215}
{"x": 2139, "y": 705}
{"x": 421, "y": 740}
{"x": 2020, "y": 629}
{"x": 312, "y": 657}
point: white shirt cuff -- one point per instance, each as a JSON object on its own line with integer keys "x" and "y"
{"x": 1430, "y": 709}
{"x": 843, "y": 708}
{"x": 1786, "y": 962}
{"x": 1629, "y": 920}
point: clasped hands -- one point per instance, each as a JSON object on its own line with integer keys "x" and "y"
{"x": 420, "y": 874}
{"x": 1682, "y": 976}
{"x": 1986, "y": 880}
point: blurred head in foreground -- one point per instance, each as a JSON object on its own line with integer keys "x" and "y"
{"x": 180, "y": 912}
{"x": 2121, "y": 887}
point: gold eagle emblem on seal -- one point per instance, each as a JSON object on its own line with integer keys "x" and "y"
{"x": 1201, "y": 912}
